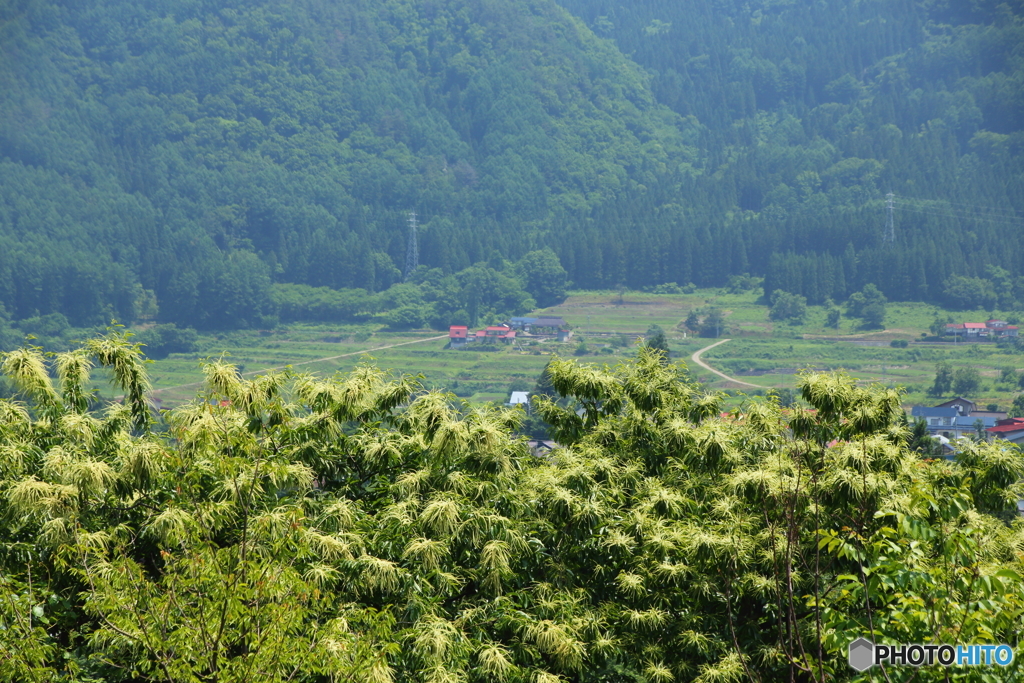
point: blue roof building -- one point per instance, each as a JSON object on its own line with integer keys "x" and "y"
{"x": 939, "y": 420}
{"x": 948, "y": 422}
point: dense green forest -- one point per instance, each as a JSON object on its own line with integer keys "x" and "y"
{"x": 811, "y": 113}
{"x": 359, "y": 528}
{"x": 184, "y": 160}
{"x": 201, "y": 151}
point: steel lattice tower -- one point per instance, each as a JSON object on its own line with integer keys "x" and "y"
{"x": 412, "y": 254}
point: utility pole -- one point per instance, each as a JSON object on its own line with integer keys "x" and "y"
{"x": 890, "y": 226}
{"x": 412, "y": 254}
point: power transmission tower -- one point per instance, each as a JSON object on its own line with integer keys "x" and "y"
{"x": 412, "y": 254}
{"x": 890, "y": 226}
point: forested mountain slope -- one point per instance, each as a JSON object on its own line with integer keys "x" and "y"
{"x": 199, "y": 149}
{"x": 813, "y": 111}
{"x": 192, "y": 153}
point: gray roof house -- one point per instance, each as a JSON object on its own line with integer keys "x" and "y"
{"x": 949, "y": 422}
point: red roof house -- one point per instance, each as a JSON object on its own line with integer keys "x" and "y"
{"x": 493, "y": 333}
{"x": 458, "y": 336}
{"x": 1011, "y": 430}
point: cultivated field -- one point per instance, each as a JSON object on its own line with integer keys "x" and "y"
{"x": 761, "y": 352}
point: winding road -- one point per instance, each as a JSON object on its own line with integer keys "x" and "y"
{"x": 696, "y": 359}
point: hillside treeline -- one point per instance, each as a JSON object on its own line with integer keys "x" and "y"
{"x": 292, "y": 528}
{"x": 484, "y": 294}
{"x": 179, "y": 158}
{"x": 810, "y": 114}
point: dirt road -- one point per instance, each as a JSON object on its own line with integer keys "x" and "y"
{"x": 696, "y": 359}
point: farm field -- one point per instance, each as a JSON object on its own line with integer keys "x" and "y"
{"x": 760, "y": 352}
{"x": 772, "y": 354}
{"x": 477, "y": 375}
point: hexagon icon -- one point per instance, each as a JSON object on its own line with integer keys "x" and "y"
{"x": 862, "y": 654}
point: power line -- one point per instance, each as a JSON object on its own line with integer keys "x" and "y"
{"x": 937, "y": 211}
{"x": 945, "y": 209}
{"x": 966, "y": 207}
{"x": 965, "y": 213}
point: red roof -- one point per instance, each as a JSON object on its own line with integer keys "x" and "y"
{"x": 480, "y": 334}
{"x": 956, "y": 326}
{"x": 511, "y": 334}
{"x": 974, "y": 326}
{"x": 1012, "y": 327}
{"x": 457, "y": 332}
{"x": 1010, "y": 421}
{"x": 1003, "y": 429}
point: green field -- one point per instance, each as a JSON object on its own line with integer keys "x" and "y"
{"x": 473, "y": 374}
{"x": 771, "y": 354}
{"x": 761, "y": 352}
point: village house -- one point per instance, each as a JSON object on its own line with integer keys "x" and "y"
{"x": 521, "y": 323}
{"x": 1010, "y": 429}
{"x": 547, "y": 325}
{"x": 458, "y": 336}
{"x": 937, "y": 419}
{"x": 963, "y": 406}
{"x": 958, "y": 418}
{"x": 519, "y": 398}
{"x": 494, "y": 333}
{"x": 966, "y": 407}
{"x": 990, "y": 329}
{"x": 541, "y": 448}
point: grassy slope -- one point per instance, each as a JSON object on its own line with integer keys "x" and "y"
{"x": 761, "y": 352}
